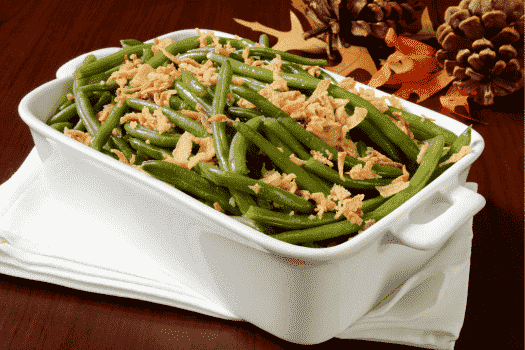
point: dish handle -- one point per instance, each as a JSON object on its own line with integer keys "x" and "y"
{"x": 454, "y": 206}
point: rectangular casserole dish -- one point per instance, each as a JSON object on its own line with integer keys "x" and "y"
{"x": 299, "y": 294}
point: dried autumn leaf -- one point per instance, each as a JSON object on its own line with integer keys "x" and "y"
{"x": 354, "y": 57}
{"x": 291, "y": 40}
{"x": 418, "y": 71}
{"x": 454, "y": 98}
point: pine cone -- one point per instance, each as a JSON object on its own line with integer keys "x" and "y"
{"x": 482, "y": 44}
{"x": 340, "y": 22}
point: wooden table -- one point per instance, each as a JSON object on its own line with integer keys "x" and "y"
{"x": 38, "y": 37}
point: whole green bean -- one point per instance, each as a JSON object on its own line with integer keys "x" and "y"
{"x": 195, "y": 86}
{"x": 176, "y": 118}
{"x": 191, "y": 182}
{"x": 417, "y": 182}
{"x": 130, "y": 42}
{"x": 239, "y": 147}
{"x": 314, "y": 143}
{"x": 153, "y": 151}
{"x": 64, "y": 115}
{"x": 245, "y": 113}
{"x": 110, "y": 61}
{"x": 265, "y": 106}
{"x": 285, "y": 164}
{"x": 424, "y": 125}
{"x": 60, "y": 126}
{"x": 261, "y": 190}
{"x": 272, "y": 53}
{"x": 379, "y": 139}
{"x": 287, "y": 138}
{"x": 264, "y": 40}
{"x": 156, "y": 138}
{"x": 184, "y": 92}
{"x": 105, "y": 130}
{"x": 175, "y": 48}
{"x": 381, "y": 121}
{"x": 297, "y": 81}
{"x": 331, "y": 175}
{"x": 220, "y": 139}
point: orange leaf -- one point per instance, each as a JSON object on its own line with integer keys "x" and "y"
{"x": 415, "y": 66}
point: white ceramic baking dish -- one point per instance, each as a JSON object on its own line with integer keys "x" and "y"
{"x": 299, "y": 294}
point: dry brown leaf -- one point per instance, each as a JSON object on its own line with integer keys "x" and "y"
{"x": 354, "y": 57}
{"x": 291, "y": 40}
{"x": 418, "y": 70}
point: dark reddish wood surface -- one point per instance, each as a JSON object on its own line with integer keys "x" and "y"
{"x": 38, "y": 37}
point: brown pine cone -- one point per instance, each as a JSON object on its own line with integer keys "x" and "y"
{"x": 482, "y": 44}
{"x": 340, "y": 22}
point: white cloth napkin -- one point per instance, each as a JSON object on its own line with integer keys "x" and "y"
{"x": 46, "y": 235}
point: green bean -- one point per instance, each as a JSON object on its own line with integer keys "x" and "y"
{"x": 130, "y": 42}
{"x": 64, "y": 115}
{"x": 314, "y": 143}
{"x": 66, "y": 104}
{"x": 237, "y": 43}
{"x": 245, "y": 113}
{"x": 105, "y": 130}
{"x": 86, "y": 113}
{"x": 239, "y": 147}
{"x": 285, "y": 164}
{"x": 60, "y": 126}
{"x": 265, "y": 106}
{"x": 287, "y": 138}
{"x": 417, "y": 182}
{"x": 82, "y": 103}
{"x": 183, "y": 91}
{"x": 298, "y": 81}
{"x": 177, "y": 104}
{"x": 104, "y": 76}
{"x": 272, "y": 53}
{"x": 80, "y": 126}
{"x": 361, "y": 148}
{"x": 291, "y": 222}
{"x": 220, "y": 140}
{"x": 424, "y": 125}
{"x": 104, "y": 99}
{"x": 195, "y": 86}
{"x": 156, "y": 138}
{"x": 176, "y": 118}
{"x": 153, "y": 151}
{"x": 372, "y": 203}
{"x": 331, "y": 175}
{"x": 242, "y": 200}
{"x": 251, "y": 83}
{"x": 196, "y": 56}
{"x": 462, "y": 140}
{"x": 264, "y": 40}
{"x": 320, "y": 233}
{"x": 99, "y": 87}
{"x": 381, "y": 121}
{"x": 189, "y": 181}
{"x": 126, "y": 150}
{"x": 222, "y": 88}
{"x": 261, "y": 190}
{"x": 110, "y": 61}
{"x": 147, "y": 54}
{"x": 175, "y": 48}
{"x": 379, "y": 139}
{"x": 324, "y": 75}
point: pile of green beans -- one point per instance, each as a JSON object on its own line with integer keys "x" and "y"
{"x": 256, "y": 139}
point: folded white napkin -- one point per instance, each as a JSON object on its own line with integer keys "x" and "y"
{"x": 47, "y": 235}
